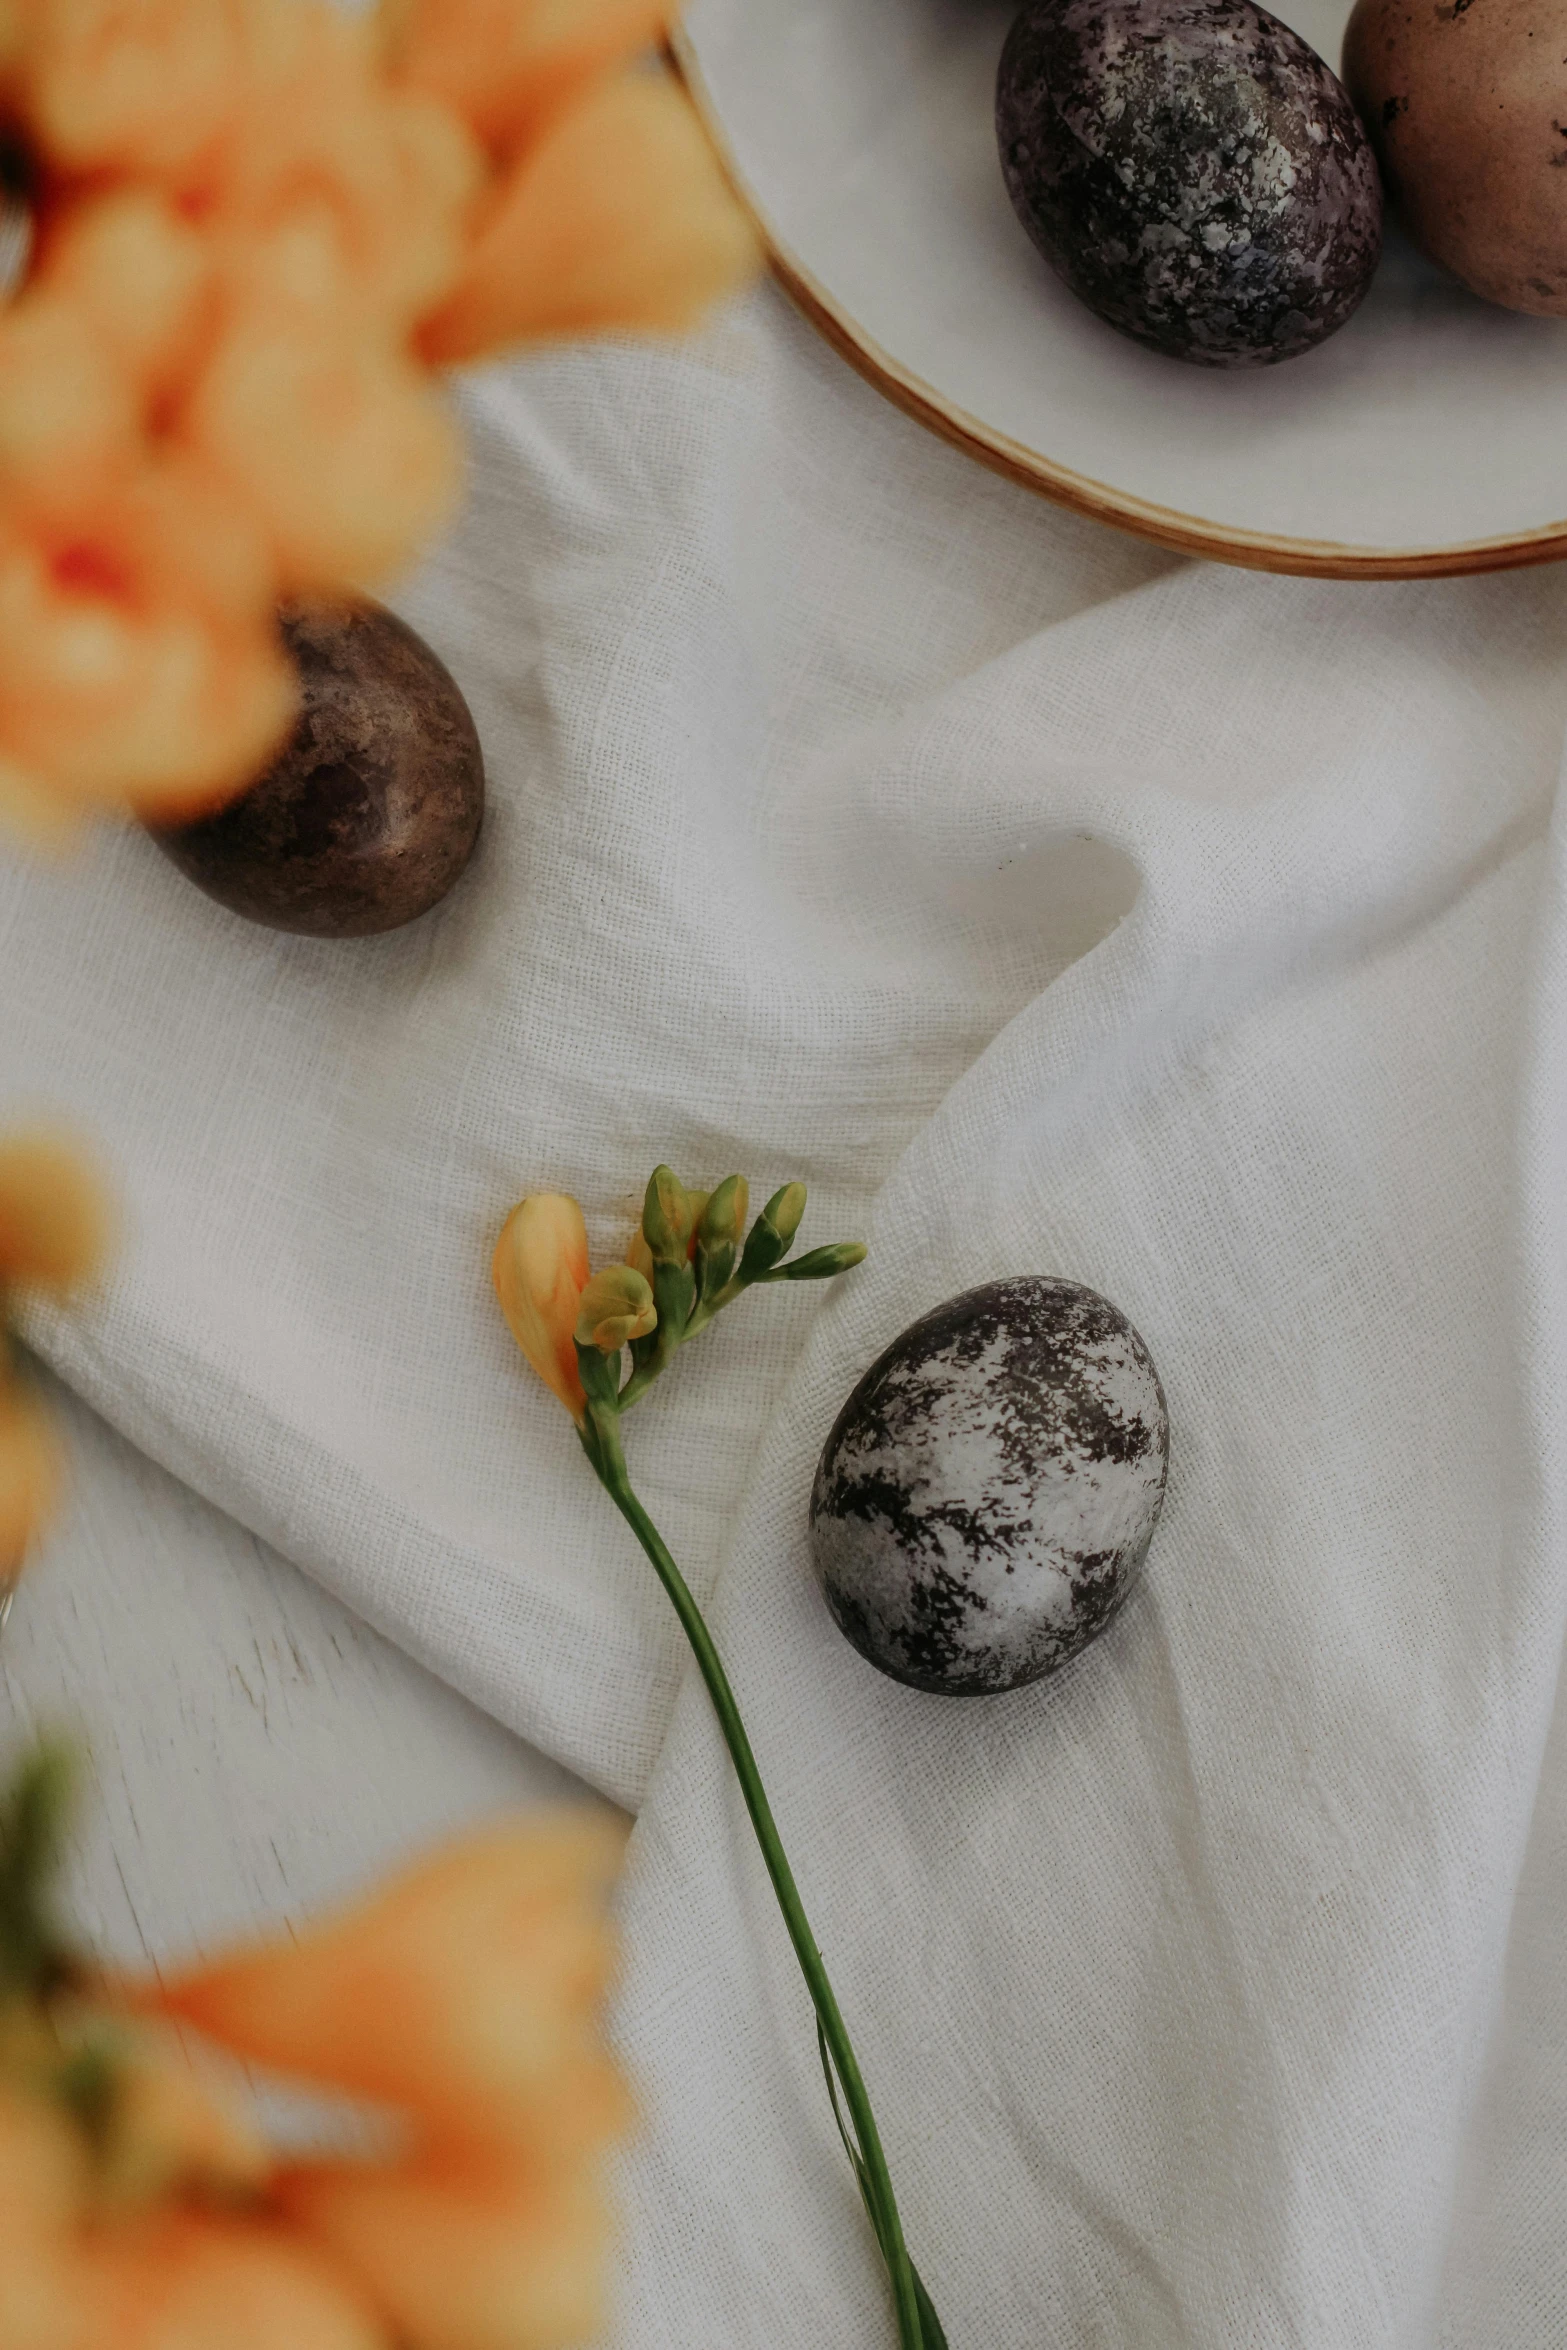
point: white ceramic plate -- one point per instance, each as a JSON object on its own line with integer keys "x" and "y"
{"x": 1429, "y": 435}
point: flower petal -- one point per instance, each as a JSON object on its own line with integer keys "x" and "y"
{"x": 131, "y": 266}
{"x": 54, "y": 1218}
{"x": 639, "y": 1256}
{"x": 508, "y": 64}
{"x": 29, "y": 1477}
{"x": 166, "y": 2130}
{"x": 187, "y": 2281}
{"x": 43, "y": 2189}
{"x": 123, "y": 700}
{"x": 69, "y": 425}
{"x": 335, "y": 443}
{"x": 540, "y": 1269}
{"x": 619, "y": 217}
{"x": 460, "y": 2259}
{"x": 467, "y": 1991}
{"x": 616, "y": 1307}
{"x": 130, "y": 84}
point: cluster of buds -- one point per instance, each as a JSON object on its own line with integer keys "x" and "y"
{"x": 452, "y": 2016}
{"x": 690, "y": 1256}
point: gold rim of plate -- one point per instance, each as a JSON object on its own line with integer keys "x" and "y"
{"x": 1187, "y": 534}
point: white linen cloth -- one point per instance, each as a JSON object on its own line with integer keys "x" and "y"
{"x": 1049, "y": 905}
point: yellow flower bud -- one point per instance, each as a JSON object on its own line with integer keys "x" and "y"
{"x": 666, "y": 1216}
{"x": 774, "y": 1229}
{"x": 616, "y": 1306}
{"x": 724, "y": 1212}
{"x": 785, "y": 1209}
{"x": 540, "y": 1270}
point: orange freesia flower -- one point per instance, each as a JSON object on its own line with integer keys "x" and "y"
{"x": 540, "y": 1269}
{"x": 257, "y": 223}
{"x": 462, "y": 2000}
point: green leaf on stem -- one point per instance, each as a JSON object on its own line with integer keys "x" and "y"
{"x": 930, "y": 2323}
{"x": 932, "y": 2335}
{"x": 600, "y": 1374}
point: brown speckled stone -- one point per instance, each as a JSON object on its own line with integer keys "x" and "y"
{"x": 372, "y": 809}
{"x": 1466, "y": 103}
{"x": 1193, "y": 171}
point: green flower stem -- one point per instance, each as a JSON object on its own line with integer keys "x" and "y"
{"x": 601, "y": 1441}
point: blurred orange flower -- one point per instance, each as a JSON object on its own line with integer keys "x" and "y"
{"x": 53, "y": 1234}
{"x": 461, "y": 2003}
{"x": 256, "y": 225}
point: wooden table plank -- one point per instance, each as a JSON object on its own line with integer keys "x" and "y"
{"x": 256, "y": 1749}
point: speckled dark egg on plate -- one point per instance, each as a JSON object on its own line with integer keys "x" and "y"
{"x": 987, "y": 1495}
{"x": 372, "y": 808}
{"x": 1193, "y": 170}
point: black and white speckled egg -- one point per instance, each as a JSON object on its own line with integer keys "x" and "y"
{"x": 988, "y": 1492}
{"x": 1193, "y": 170}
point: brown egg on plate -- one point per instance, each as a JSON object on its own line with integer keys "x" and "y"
{"x": 1466, "y": 105}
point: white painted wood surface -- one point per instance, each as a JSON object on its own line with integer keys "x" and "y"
{"x": 256, "y": 1750}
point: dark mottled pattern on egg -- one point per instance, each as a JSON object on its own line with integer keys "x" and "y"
{"x": 371, "y": 810}
{"x": 987, "y": 1495}
{"x": 1193, "y": 170}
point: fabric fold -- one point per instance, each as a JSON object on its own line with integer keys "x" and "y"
{"x": 1045, "y": 905}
